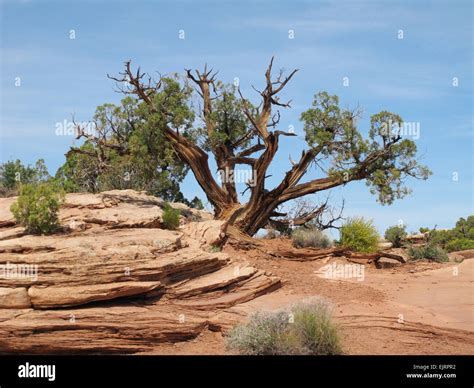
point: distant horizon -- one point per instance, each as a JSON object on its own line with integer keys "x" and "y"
{"x": 407, "y": 58}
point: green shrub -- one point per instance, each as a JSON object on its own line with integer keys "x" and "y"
{"x": 456, "y": 238}
{"x": 310, "y": 237}
{"x": 429, "y": 252}
{"x": 441, "y": 237}
{"x": 306, "y": 329}
{"x": 459, "y": 244}
{"x": 396, "y": 235}
{"x": 37, "y": 207}
{"x": 14, "y": 173}
{"x": 313, "y": 329}
{"x": 424, "y": 230}
{"x": 215, "y": 248}
{"x": 359, "y": 235}
{"x": 170, "y": 217}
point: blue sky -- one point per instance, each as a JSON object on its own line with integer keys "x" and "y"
{"x": 412, "y": 76}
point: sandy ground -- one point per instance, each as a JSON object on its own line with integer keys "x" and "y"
{"x": 417, "y": 308}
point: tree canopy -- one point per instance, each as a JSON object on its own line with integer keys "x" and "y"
{"x": 165, "y": 127}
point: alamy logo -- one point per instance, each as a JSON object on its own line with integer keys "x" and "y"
{"x": 237, "y": 176}
{"x": 407, "y": 129}
{"x": 19, "y": 271}
{"x": 343, "y": 271}
{"x": 37, "y": 371}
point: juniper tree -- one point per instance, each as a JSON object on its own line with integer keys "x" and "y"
{"x": 226, "y": 126}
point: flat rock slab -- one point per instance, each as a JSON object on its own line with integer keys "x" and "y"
{"x": 214, "y": 281}
{"x": 466, "y": 254}
{"x": 54, "y": 296}
{"x": 14, "y": 298}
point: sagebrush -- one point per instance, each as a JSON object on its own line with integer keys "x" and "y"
{"x": 306, "y": 328}
{"x": 310, "y": 237}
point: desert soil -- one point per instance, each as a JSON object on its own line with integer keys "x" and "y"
{"x": 416, "y": 308}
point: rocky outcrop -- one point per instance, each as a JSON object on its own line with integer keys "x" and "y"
{"x": 460, "y": 256}
{"x": 114, "y": 281}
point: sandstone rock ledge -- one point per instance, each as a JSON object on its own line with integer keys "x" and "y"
{"x": 113, "y": 281}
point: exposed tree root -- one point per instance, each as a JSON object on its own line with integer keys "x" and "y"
{"x": 240, "y": 240}
{"x": 372, "y": 257}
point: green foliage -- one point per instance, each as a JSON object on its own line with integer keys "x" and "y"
{"x": 229, "y": 120}
{"x": 441, "y": 237}
{"x": 459, "y": 244}
{"x": 14, "y": 173}
{"x": 465, "y": 227}
{"x": 459, "y": 238}
{"x": 79, "y": 172}
{"x": 37, "y": 207}
{"x": 170, "y": 217}
{"x": 195, "y": 203}
{"x": 133, "y": 150}
{"x": 138, "y": 157}
{"x": 314, "y": 330}
{"x": 359, "y": 235}
{"x": 424, "y": 230}
{"x": 306, "y": 329}
{"x": 429, "y": 252}
{"x": 396, "y": 235}
{"x": 303, "y": 237}
{"x": 333, "y": 132}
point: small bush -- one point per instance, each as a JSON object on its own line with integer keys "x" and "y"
{"x": 440, "y": 237}
{"x": 459, "y": 244}
{"x": 310, "y": 237}
{"x": 170, "y": 217}
{"x": 429, "y": 252}
{"x": 37, "y": 207}
{"x": 262, "y": 335}
{"x": 215, "y": 248}
{"x": 459, "y": 238}
{"x": 359, "y": 235}
{"x": 396, "y": 235}
{"x": 306, "y": 329}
